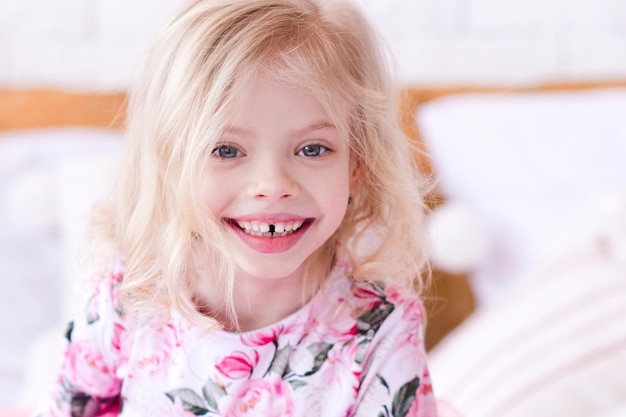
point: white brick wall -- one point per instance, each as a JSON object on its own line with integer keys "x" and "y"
{"x": 95, "y": 44}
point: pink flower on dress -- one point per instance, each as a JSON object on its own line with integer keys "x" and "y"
{"x": 238, "y": 365}
{"x": 119, "y": 336}
{"x": 412, "y": 314}
{"x": 262, "y": 397}
{"x": 341, "y": 372}
{"x": 261, "y": 338}
{"x": 330, "y": 323}
{"x": 117, "y": 275}
{"x": 115, "y": 279}
{"x": 413, "y": 311}
{"x": 413, "y": 307}
{"x": 120, "y": 345}
{"x": 87, "y": 368}
{"x": 367, "y": 298}
{"x": 152, "y": 351}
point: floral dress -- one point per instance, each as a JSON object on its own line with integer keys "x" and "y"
{"x": 354, "y": 349}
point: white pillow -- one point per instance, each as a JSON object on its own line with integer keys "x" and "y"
{"x": 522, "y": 163}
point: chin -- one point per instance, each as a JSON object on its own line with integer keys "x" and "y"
{"x": 268, "y": 271}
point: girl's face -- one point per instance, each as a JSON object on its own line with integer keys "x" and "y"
{"x": 278, "y": 180}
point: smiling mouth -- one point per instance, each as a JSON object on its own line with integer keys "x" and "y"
{"x": 264, "y": 229}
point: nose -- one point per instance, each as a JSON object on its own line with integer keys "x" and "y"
{"x": 273, "y": 180}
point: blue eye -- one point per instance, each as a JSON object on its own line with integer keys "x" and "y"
{"x": 226, "y": 152}
{"x": 313, "y": 150}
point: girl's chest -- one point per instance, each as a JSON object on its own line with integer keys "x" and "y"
{"x": 264, "y": 376}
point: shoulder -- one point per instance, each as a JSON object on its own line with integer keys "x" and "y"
{"x": 379, "y": 303}
{"x": 371, "y": 297}
{"x": 393, "y": 357}
{"x": 379, "y": 313}
{"x": 100, "y": 289}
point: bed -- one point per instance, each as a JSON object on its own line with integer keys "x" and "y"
{"x": 506, "y": 278}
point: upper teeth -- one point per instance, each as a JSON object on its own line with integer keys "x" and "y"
{"x": 257, "y": 227}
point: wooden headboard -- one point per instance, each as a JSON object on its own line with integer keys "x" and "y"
{"x": 26, "y": 109}
{"x": 22, "y": 109}
{"x": 450, "y": 301}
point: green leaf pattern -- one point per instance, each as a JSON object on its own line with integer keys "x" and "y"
{"x": 368, "y": 324}
{"x": 212, "y": 393}
{"x": 191, "y": 401}
{"x": 404, "y": 398}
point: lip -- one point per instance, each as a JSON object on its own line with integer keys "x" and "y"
{"x": 270, "y": 245}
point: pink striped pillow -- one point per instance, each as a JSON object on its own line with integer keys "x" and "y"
{"x": 554, "y": 345}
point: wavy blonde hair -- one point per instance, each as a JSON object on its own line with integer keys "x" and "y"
{"x": 199, "y": 65}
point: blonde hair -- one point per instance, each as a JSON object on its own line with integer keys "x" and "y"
{"x": 191, "y": 78}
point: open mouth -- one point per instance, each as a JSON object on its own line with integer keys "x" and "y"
{"x": 264, "y": 229}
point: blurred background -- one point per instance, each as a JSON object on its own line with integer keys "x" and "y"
{"x": 519, "y": 104}
{"x": 95, "y": 44}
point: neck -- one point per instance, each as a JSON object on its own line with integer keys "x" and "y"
{"x": 258, "y": 302}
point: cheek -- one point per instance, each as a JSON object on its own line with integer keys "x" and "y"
{"x": 212, "y": 193}
{"x": 336, "y": 191}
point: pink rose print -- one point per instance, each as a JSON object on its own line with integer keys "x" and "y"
{"x": 119, "y": 344}
{"x": 262, "y": 397}
{"x": 152, "y": 352}
{"x": 119, "y": 334}
{"x": 324, "y": 324}
{"x": 116, "y": 276}
{"x": 413, "y": 311}
{"x": 370, "y": 298}
{"x": 88, "y": 370}
{"x": 115, "y": 280}
{"x": 413, "y": 305}
{"x": 395, "y": 294}
{"x": 238, "y": 365}
{"x": 341, "y": 372}
{"x": 262, "y": 337}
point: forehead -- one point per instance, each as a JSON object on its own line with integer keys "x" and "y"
{"x": 266, "y": 97}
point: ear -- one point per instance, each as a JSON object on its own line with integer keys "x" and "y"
{"x": 356, "y": 176}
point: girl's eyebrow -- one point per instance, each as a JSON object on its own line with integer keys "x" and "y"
{"x": 316, "y": 126}
{"x": 312, "y": 127}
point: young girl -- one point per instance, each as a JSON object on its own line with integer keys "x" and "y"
{"x": 261, "y": 254}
